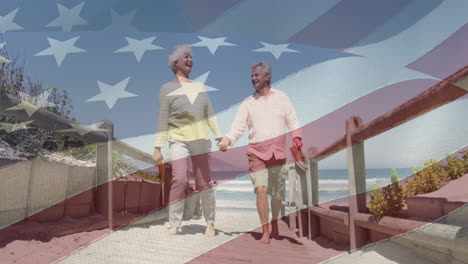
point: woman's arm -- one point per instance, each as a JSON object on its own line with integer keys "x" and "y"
{"x": 212, "y": 120}
{"x": 162, "y": 126}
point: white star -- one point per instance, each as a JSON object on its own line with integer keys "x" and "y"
{"x": 202, "y": 78}
{"x": 110, "y": 94}
{"x": 82, "y": 130}
{"x": 27, "y": 107}
{"x": 60, "y": 49}
{"x": 276, "y": 50}
{"x": 463, "y": 83}
{"x": 23, "y": 125}
{"x": 7, "y": 24}
{"x": 68, "y": 17}
{"x": 95, "y": 127}
{"x": 212, "y": 44}
{"x": 139, "y": 47}
{"x": 2, "y": 59}
{"x": 121, "y": 23}
{"x": 192, "y": 89}
{"x": 9, "y": 128}
{"x": 39, "y": 100}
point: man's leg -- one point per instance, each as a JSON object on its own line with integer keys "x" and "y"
{"x": 276, "y": 183}
{"x": 259, "y": 177}
{"x": 275, "y": 209}
{"x": 262, "y": 207}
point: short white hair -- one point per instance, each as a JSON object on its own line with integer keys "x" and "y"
{"x": 266, "y": 69}
{"x": 177, "y": 53}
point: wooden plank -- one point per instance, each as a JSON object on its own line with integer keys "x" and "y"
{"x": 357, "y": 183}
{"x": 387, "y": 225}
{"x": 331, "y": 215}
{"x": 444, "y": 92}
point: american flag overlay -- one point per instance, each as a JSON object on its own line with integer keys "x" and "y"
{"x": 333, "y": 58}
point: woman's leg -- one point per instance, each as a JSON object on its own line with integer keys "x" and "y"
{"x": 179, "y": 156}
{"x": 202, "y": 173}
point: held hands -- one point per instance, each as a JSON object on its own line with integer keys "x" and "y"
{"x": 157, "y": 157}
{"x": 223, "y": 143}
{"x": 297, "y": 141}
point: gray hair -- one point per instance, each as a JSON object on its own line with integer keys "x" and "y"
{"x": 266, "y": 69}
{"x": 176, "y": 53}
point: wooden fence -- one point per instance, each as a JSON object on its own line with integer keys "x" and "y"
{"x": 102, "y": 136}
{"x": 356, "y": 220}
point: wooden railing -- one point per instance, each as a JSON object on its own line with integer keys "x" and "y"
{"x": 444, "y": 92}
{"x": 102, "y": 136}
{"x": 357, "y": 220}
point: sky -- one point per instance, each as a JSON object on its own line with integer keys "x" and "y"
{"x": 333, "y": 58}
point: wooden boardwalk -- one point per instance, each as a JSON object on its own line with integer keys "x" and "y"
{"x": 289, "y": 248}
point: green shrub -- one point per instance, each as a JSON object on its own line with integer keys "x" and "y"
{"x": 455, "y": 167}
{"x": 154, "y": 177}
{"x": 465, "y": 160}
{"x": 430, "y": 179}
{"x": 388, "y": 200}
{"x": 15, "y": 83}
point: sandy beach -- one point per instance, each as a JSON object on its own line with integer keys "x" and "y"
{"x": 148, "y": 242}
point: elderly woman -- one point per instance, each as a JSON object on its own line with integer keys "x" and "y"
{"x": 185, "y": 119}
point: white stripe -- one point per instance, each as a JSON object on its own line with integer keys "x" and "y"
{"x": 269, "y": 19}
{"x": 415, "y": 41}
{"x": 329, "y": 86}
{"x": 238, "y": 183}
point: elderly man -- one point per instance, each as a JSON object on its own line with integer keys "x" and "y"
{"x": 266, "y": 113}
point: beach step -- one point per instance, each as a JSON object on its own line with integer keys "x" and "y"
{"x": 384, "y": 252}
{"x": 146, "y": 241}
{"x": 288, "y": 249}
{"x": 441, "y": 202}
{"x": 445, "y": 241}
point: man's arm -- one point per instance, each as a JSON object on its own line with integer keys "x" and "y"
{"x": 237, "y": 128}
{"x": 293, "y": 124}
{"x": 238, "y": 125}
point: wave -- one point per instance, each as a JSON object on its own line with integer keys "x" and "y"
{"x": 250, "y": 189}
{"x": 321, "y": 182}
{"x": 242, "y": 204}
{"x": 234, "y": 189}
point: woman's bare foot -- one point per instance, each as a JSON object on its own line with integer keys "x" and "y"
{"x": 265, "y": 238}
{"x": 210, "y": 230}
{"x": 172, "y": 231}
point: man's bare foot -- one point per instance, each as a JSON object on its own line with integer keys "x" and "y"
{"x": 172, "y": 231}
{"x": 265, "y": 238}
{"x": 210, "y": 230}
{"x": 274, "y": 232}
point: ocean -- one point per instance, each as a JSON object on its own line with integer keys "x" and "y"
{"x": 237, "y": 193}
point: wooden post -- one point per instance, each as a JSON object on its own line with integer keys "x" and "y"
{"x": 301, "y": 200}
{"x": 313, "y": 189}
{"x": 104, "y": 173}
{"x": 292, "y": 194}
{"x": 357, "y": 183}
{"x": 283, "y": 207}
{"x": 313, "y": 178}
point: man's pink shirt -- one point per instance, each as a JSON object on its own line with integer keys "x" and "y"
{"x": 266, "y": 119}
